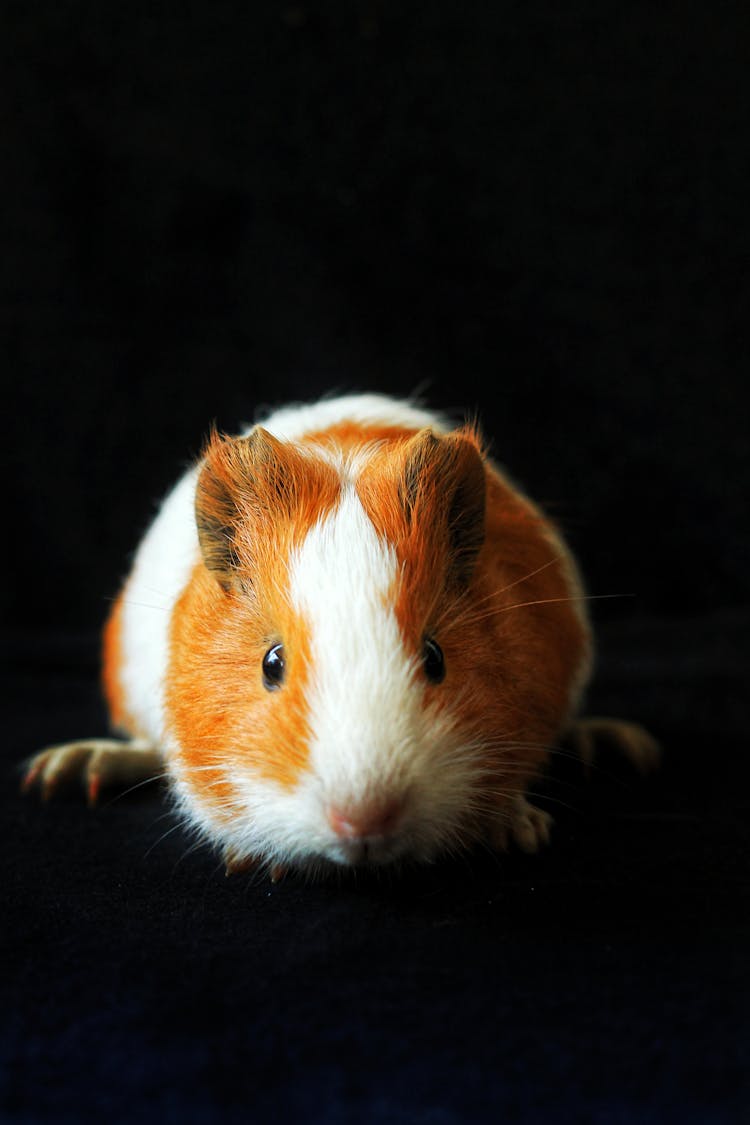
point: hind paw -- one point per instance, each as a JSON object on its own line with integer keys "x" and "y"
{"x": 96, "y": 763}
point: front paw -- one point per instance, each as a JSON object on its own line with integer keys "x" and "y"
{"x": 522, "y": 824}
{"x": 96, "y": 763}
{"x": 630, "y": 739}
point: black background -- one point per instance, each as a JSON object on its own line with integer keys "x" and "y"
{"x": 536, "y": 213}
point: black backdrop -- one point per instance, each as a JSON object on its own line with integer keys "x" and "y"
{"x": 533, "y": 212}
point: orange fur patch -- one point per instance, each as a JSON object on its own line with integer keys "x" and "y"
{"x": 219, "y": 709}
{"x": 509, "y": 664}
{"x": 269, "y": 494}
{"x": 347, "y": 437}
{"x": 520, "y": 616}
{"x": 112, "y": 657}
{"x": 425, "y": 497}
{"x": 256, "y": 493}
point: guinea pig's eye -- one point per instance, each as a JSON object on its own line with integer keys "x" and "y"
{"x": 273, "y": 668}
{"x": 433, "y": 660}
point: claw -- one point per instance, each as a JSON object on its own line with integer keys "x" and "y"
{"x": 95, "y": 763}
{"x": 94, "y": 786}
{"x": 32, "y": 775}
{"x": 238, "y": 864}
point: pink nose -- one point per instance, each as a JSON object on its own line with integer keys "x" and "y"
{"x": 357, "y": 822}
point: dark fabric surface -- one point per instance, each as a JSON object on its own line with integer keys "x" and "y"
{"x": 538, "y": 213}
{"x": 603, "y": 980}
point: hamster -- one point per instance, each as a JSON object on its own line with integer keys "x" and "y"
{"x": 347, "y": 638}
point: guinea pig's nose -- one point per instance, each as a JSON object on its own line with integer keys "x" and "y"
{"x": 368, "y": 819}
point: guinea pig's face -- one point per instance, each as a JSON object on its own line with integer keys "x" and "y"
{"x": 320, "y": 690}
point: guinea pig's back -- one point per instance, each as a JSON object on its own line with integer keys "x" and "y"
{"x": 136, "y": 636}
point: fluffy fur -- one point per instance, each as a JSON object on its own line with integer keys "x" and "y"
{"x": 349, "y": 531}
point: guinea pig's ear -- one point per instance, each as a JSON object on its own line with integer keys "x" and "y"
{"x": 248, "y": 486}
{"x": 443, "y": 486}
{"x": 240, "y": 478}
{"x": 216, "y": 505}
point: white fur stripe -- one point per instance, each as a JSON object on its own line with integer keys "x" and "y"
{"x": 362, "y": 693}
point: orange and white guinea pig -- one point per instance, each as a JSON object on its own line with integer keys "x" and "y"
{"x": 346, "y": 638}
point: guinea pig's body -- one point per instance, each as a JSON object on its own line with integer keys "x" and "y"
{"x": 346, "y": 637}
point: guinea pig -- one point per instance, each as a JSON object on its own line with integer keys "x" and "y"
{"x": 347, "y": 638}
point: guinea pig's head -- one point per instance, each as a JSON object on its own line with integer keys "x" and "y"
{"x": 322, "y": 687}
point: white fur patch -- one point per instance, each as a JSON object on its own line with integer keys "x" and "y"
{"x": 162, "y": 566}
{"x": 342, "y": 581}
{"x": 372, "y": 737}
{"x": 291, "y": 422}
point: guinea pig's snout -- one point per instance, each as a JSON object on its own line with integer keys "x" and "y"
{"x": 366, "y": 820}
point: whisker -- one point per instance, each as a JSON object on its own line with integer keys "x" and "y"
{"x": 554, "y": 559}
{"x": 142, "y": 605}
{"x": 132, "y": 788}
{"x": 174, "y": 828}
{"x": 189, "y": 851}
{"x": 475, "y": 614}
{"x": 547, "y": 798}
{"x": 571, "y": 598}
{"x": 456, "y": 611}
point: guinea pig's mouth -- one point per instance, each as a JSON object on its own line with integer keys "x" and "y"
{"x": 364, "y": 853}
{"x": 394, "y": 831}
{"x": 381, "y": 851}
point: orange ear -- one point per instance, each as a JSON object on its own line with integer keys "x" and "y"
{"x": 443, "y": 488}
{"x": 250, "y": 488}
{"x": 215, "y": 507}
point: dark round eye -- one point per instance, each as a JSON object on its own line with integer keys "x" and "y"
{"x": 273, "y": 668}
{"x": 433, "y": 660}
